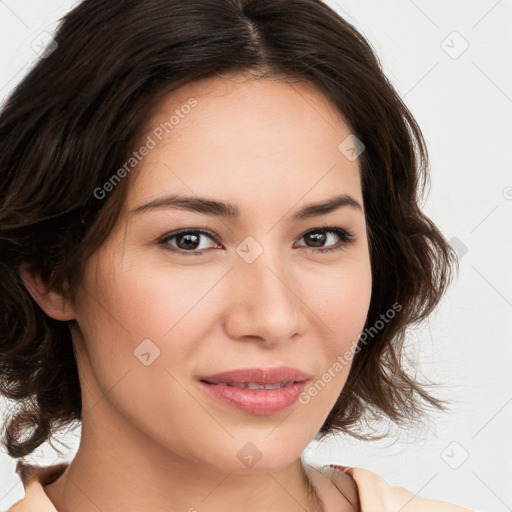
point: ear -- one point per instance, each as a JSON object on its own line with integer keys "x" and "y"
{"x": 53, "y": 303}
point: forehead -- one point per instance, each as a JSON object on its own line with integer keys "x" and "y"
{"x": 236, "y": 136}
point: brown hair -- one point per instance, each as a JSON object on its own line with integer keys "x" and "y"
{"x": 74, "y": 119}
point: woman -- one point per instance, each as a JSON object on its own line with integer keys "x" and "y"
{"x": 211, "y": 249}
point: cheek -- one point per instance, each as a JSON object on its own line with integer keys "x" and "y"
{"x": 145, "y": 299}
{"x": 340, "y": 301}
{"x": 342, "y": 298}
{"x": 350, "y": 303}
{"x": 140, "y": 328}
{"x": 148, "y": 319}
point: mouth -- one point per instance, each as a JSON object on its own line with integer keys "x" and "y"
{"x": 257, "y": 391}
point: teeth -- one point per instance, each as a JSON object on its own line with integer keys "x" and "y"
{"x": 253, "y": 385}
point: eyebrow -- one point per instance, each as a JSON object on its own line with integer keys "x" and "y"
{"x": 230, "y": 211}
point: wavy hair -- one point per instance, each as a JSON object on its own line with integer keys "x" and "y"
{"x": 74, "y": 120}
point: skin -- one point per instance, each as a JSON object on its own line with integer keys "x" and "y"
{"x": 151, "y": 437}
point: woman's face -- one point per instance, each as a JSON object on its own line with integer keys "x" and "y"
{"x": 159, "y": 312}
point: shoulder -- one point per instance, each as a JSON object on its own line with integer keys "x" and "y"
{"x": 33, "y": 479}
{"x": 374, "y": 494}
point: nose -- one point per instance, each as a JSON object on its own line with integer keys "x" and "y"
{"x": 262, "y": 303}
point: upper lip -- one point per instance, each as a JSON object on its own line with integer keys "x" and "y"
{"x": 258, "y": 376}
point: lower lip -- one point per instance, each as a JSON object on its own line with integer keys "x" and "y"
{"x": 259, "y": 402}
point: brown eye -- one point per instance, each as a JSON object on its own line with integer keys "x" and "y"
{"x": 191, "y": 241}
{"x": 318, "y": 238}
{"x": 188, "y": 240}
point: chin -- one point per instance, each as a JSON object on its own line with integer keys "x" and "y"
{"x": 265, "y": 451}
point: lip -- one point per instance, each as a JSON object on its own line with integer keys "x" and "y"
{"x": 258, "y": 375}
{"x": 258, "y": 402}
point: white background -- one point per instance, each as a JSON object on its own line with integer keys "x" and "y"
{"x": 463, "y": 103}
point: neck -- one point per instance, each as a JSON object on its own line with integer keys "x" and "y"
{"x": 128, "y": 473}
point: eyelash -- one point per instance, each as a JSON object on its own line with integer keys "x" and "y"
{"x": 346, "y": 238}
